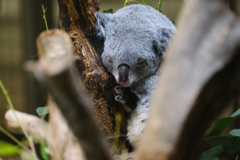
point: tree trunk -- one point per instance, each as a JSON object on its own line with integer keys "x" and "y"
{"x": 77, "y": 18}
{"x": 199, "y": 78}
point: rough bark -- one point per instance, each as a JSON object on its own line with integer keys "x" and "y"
{"x": 77, "y": 18}
{"x": 199, "y": 78}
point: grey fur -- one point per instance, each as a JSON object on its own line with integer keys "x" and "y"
{"x": 132, "y": 33}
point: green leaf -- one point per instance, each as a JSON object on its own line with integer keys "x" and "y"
{"x": 172, "y": 21}
{"x": 211, "y": 154}
{"x": 230, "y": 144}
{"x": 220, "y": 125}
{"x": 236, "y": 113}
{"x": 42, "y": 110}
{"x": 108, "y": 11}
{"x": 8, "y": 149}
{"x": 235, "y": 132}
{"x": 24, "y": 139}
{"x": 43, "y": 146}
{"x": 236, "y": 158}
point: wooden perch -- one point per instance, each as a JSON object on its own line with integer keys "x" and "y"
{"x": 62, "y": 144}
{"x": 199, "y": 78}
{"x": 55, "y": 71}
{"x": 37, "y": 129}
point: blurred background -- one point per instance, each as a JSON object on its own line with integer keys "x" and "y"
{"x": 21, "y": 21}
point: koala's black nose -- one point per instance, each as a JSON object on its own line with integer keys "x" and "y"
{"x": 123, "y": 71}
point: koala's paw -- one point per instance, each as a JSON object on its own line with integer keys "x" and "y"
{"x": 120, "y": 95}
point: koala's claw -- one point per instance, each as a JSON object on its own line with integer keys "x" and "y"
{"x": 118, "y": 90}
{"x": 119, "y": 96}
{"x": 120, "y": 99}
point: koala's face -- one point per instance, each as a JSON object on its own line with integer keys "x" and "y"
{"x": 135, "y": 38}
{"x": 131, "y": 58}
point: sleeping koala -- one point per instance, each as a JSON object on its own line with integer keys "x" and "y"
{"x": 135, "y": 38}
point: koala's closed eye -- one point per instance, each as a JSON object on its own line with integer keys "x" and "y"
{"x": 110, "y": 60}
{"x": 141, "y": 62}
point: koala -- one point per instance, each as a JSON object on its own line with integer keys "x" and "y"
{"x": 135, "y": 38}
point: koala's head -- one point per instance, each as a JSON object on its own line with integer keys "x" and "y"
{"x": 135, "y": 39}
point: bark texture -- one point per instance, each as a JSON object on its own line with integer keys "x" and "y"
{"x": 199, "y": 78}
{"x": 77, "y": 18}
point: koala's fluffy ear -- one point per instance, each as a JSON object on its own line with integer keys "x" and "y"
{"x": 164, "y": 38}
{"x": 102, "y": 20}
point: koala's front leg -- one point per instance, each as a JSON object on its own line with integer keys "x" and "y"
{"x": 127, "y": 98}
{"x": 136, "y": 122}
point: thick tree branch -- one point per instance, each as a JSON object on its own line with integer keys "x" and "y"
{"x": 55, "y": 70}
{"x": 62, "y": 144}
{"x": 216, "y": 95}
{"x": 37, "y": 129}
{"x": 198, "y": 79}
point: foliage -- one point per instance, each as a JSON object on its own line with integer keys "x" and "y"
{"x": 235, "y": 133}
{"x": 220, "y": 144}
{"x": 117, "y": 132}
{"x": 44, "y": 16}
{"x": 29, "y": 138}
{"x": 144, "y": 3}
{"x": 108, "y": 11}
{"x": 8, "y": 149}
{"x": 211, "y": 154}
{"x": 43, "y": 146}
{"x": 128, "y": 1}
{"x": 41, "y": 111}
{"x": 46, "y": 25}
{"x": 220, "y": 125}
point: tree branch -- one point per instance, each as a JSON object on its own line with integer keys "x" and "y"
{"x": 55, "y": 70}
{"x": 205, "y": 45}
{"x": 60, "y": 146}
{"x": 37, "y": 129}
{"x": 216, "y": 95}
